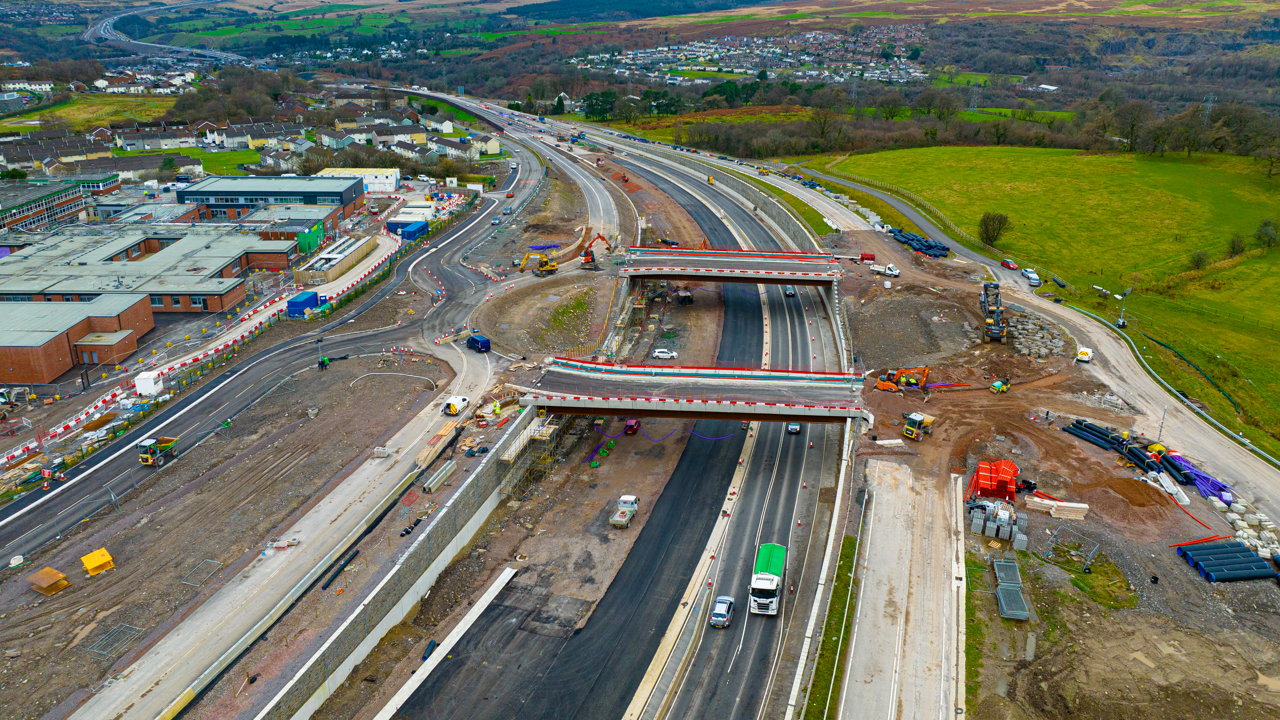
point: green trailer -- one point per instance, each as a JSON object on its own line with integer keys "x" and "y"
{"x": 766, "y": 581}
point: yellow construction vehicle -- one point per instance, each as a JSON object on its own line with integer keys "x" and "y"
{"x": 546, "y": 266}
{"x": 711, "y": 180}
{"x": 917, "y": 425}
{"x": 1000, "y": 386}
{"x": 762, "y": 172}
{"x": 154, "y": 451}
{"x": 589, "y": 256}
{"x": 902, "y": 378}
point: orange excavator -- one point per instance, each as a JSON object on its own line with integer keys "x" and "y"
{"x": 903, "y": 378}
{"x": 589, "y": 255}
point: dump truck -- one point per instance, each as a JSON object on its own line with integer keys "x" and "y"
{"x": 154, "y": 451}
{"x": 917, "y": 425}
{"x": 626, "y": 509}
{"x": 766, "y": 581}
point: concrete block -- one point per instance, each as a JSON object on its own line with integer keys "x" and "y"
{"x": 1232, "y": 517}
{"x": 1238, "y": 508}
{"x": 977, "y": 525}
{"x": 1020, "y": 542}
{"x": 1218, "y": 504}
{"x": 991, "y": 529}
{"x": 1022, "y": 522}
{"x": 1239, "y": 524}
{"x": 1004, "y": 532}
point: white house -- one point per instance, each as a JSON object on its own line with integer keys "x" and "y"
{"x": 39, "y": 86}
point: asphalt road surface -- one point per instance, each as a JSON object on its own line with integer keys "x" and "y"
{"x": 595, "y": 673}
{"x": 102, "y": 28}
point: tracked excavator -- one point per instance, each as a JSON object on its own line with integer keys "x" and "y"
{"x": 903, "y": 378}
{"x": 588, "y": 254}
{"x": 545, "y": 265}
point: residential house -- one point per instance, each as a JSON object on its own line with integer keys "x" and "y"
{"x": 36, "y": 86}
{"x": 384, "y": 135}
{"x": 334, "y": 139}
{"x": 418, "y": 153}
{"x": 163, "y": 140}
{"x": 488, "y": 144}
{"x": 453, "y": 149}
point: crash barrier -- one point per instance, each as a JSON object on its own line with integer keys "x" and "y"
{"x": 398, "y": 593}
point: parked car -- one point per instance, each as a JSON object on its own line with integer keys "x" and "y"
{"x": 1009, "y": 264}
{"x": 722, "y": 612}
{"x": 1033, "y": 279}
{"x": 665, "y": 354}
{"x": 793, "y": 428}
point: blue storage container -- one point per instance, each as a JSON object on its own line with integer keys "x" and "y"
{"x": 413, "y": 231}
{"x": 299, "y": 304}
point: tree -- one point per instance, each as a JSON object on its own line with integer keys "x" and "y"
{"x": 1188, "y": 130}
{"x": 627, "y": 110}
{"x": 559, "y": 105}
{"x": 1269, "y": 158}
{"x": 889, "y": 104}
{"x": 999, "y": 131}
{"x": 16, "y": 174}
{"x": 926, "y": 102}
{"x": 715, "y": 102}
{"x": 1235, "y": 248}
{"x": 168, "y": 164}
{"x": 599, "y": 105}
{"x": 1266, "y": 234}
{"x": 991, "y": 227}
{"x": 823, "y": 125}
{"x": 1199, "y": 259}
{"x": 762, "y": 76}
{"x": 946, "y": 107}
{"x": 1130, "y": 120}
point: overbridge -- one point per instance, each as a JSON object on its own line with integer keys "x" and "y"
{"x": 579, "y": 387}
{"x": 736, "y": 266}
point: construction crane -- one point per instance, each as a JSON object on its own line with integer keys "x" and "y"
{"x": 589, "y": 255}
{"x": 996, "y": 327}
{"x": 545, "y": 266}
{"x": 902, "y": 378}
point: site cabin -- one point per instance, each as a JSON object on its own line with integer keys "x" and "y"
{"x": 627, "y": 507}
{"x": 766, "y": 582}
{"x": 154, "y": 451}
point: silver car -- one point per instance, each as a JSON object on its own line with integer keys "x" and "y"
{"x": 721, "y": 612}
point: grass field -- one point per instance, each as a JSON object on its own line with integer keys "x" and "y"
{"x": 707, "y": 74}
{"x": 89, "y": 111}
{"x": 811, "y": 217}
{"x": 459, "y": 115}
{"x": 220, "y": 163}
{"x": 660, "y": 128}
{"x": 834, "y": 646}
{"x": 56, "y": 31}
{"x": 1121, "y": 220}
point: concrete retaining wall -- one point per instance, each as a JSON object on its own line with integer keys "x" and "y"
{"x": 399, "y": 592}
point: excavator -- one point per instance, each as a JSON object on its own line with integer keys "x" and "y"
{"x": 997, "y": 328}
{"x": 589, "y": 255}
{"x": 545, "y": 266}
{"x": 903, "y": 378}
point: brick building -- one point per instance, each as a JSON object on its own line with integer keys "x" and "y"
{"x": 32, "y": 206}
{"x": 231, "y": 198}
{"x": 41, "y": 341}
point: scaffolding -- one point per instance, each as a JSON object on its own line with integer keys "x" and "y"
{"x": 531, "y": 457}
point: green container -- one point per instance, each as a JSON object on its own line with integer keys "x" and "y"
{"x": 604, "y": 453}
{"x": 595, "y": 463}
{"x": 610, "y": 444}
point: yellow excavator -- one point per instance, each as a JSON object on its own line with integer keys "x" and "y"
{"x": 545, "y": 267}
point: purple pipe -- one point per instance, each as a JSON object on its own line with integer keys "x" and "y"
{"x": 1208, "y": 485}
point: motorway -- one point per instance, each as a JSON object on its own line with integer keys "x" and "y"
{"x": 102, "y": 28}
{"x": 499, "y": 669}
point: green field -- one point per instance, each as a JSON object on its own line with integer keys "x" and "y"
{"x": 458, "y": 115}
{"x": 708, "y": 74}
{"x": 56, "y": 31}
{"x": 89, "y": 111}
{"x": 219, "y": 163}
{"x": 1121, "y": 220}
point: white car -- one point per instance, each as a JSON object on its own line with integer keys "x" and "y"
{"x": 793, "y": 428}
{"x": 1084, "y": 355}
{"x": 664, "y": 354}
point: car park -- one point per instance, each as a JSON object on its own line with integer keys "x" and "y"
{"x": 664, "y": 354}
{"x": 721, "y": 612}
{"x": 1009, "y": 264}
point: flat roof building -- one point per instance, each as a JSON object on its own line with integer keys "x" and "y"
{"x": 32, "y": 206}
{"x": 182, "y": 268}
{"x": 376, "y": 180}
{"x": 41, "y": 341}
{"x": 306, "y": 225}
{"x": 233, "y": 197}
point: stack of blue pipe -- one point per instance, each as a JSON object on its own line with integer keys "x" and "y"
{"x": 922, "y": 245}
{"x": 1227, "y": 562}
{"x": 1111, "y": 440}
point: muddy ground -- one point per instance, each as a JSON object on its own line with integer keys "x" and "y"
{"x": 1109, "y": 643}
{"x": 220, "y": 502}
{"x": 556, "y": 315}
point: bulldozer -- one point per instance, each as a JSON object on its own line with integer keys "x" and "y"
{"x": 545, "y": 267}
{"x": 588, "y": 256}
{"x": 917, "y": 425}
{"x": 903, "y": 378}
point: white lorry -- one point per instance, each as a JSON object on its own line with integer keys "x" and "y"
{"x": 627, "y": 507}
{"x": 886, "y": 270}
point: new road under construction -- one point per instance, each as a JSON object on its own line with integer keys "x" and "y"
{"x": 735, "y": 474}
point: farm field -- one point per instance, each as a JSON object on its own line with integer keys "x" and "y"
{"x": 219, "y": 163}
{"x": 458, "y": 115}
{"x": 1122, "y": 220}
{"x": 660, "y": 128}
{"x": 89, "y": 111}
